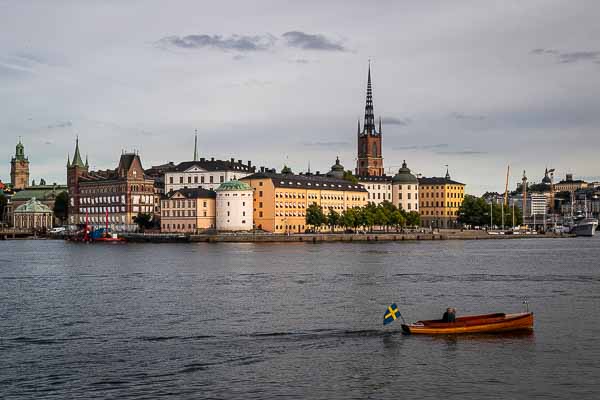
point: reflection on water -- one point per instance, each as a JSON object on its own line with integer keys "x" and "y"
{"x": 295, "y": 321}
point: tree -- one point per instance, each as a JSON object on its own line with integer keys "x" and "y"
{"x": 349, "y": 177}
{"x": 413, "y": 219}
{"x": 474, "y": 211}
{"x": 397, "y": 219}
{"x": 61, "y": 207}
{"x": 333, "y": 219}
{"x": 315, "y": 215}
{"x": 144, "y": 221}
{"x": 380, "y": 217}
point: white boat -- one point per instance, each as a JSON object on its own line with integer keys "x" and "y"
{"x": 584, "y": 227}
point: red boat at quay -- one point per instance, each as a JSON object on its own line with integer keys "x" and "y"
{"x": 487, "y": 323}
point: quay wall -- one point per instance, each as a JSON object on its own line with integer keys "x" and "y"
{"x": 324, "y": 237}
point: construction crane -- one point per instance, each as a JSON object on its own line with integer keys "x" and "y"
{"x": 506, "y": 187}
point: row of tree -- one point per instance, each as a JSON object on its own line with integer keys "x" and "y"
{"x": 384, "y": 215}
{"x": 474, "y": 211}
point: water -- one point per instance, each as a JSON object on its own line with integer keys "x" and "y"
{"x": 295, "y": 320}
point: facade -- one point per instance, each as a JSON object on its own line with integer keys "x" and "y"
{"x": 536, "y": 203}
{"x": 370, "y": 158}
{"x": 206, "y": 174}
{"x": 45, "y": 194}
{"x": 281, "y": 199}
{"x": 19, "y": 168}
{"x": 33, "y": 215}
{"x": 234, "y": 206}
{"x": 439, "y": 201}
{"x": 188, "y": 211}
{"x": 117, "y": 195}
{"x": 405, "y": 190}
{"x": 379, "y": 188}
{"x": 569, "y": 184}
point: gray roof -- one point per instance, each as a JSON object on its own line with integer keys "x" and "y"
{"x": 307, "y": 181}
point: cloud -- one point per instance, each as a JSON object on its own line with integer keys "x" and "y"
{"x": 326, "y": 145}
{"x": 422, "y": 147}
{"x": 396, "y": 121}
{"x": 570, "y": 57}
{"x": 241, "y": 43}
{"x": 308, "y": 41}
{"x": 65, "y": 124}
{"x": 459, "y": 115}
{"x": 301, "y": 61}
{"x": 462, "y": 152}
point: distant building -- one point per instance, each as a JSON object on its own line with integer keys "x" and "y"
{"x": 281, "y": 199}
{"x": 118, "y": 195}
{"x": 370, "y": 158}
{"x": 570, "y": 185}
{"x": 536, "y": 203}
{"x": 206, "y": 174}
{"x": 405, "y": 190}
{"x": 19, "y": 168}
{"x": 33, "y": 215}
{"x": 42, "y": 193}
{"x": 234, "y": 206}
{"x": 440, "y": 199}
{"x": 188, "y": 211}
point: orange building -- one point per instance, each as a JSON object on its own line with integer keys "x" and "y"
{"x": 281, "y": 199}
{"x": 439, "y": 201}
{"x": 188, "y": 211}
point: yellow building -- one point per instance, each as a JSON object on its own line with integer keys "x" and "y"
{"x": 188, "y": 211}
{"x": 439, "y": 201}
{"x": 281, "y": 199}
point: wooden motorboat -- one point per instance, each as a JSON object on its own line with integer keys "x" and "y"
{"x": 487, "y": 323}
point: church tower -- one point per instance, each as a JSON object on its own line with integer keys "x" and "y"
{"x": 19, "y": 168}
{"x": 75, "y": 169}
{"x": 370, "y": 160}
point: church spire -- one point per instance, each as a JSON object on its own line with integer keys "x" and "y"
{"x": 68, "y": 160}
{"x": 369, "y": 123}
{"x": 77, "y": 162}
{"x": 196, "y": 145}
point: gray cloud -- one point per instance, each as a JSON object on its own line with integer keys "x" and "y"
{"x": 459, "y": 115}
{"x": 65, "y": 124}
{"x": 422, "y": 147}
{"x": 570, "y": 57}
{"x": 326, "y": 145}
{"x": 232, "y": 43}
{"x": 462, "y": 152}
{"x": 397, "y": 121}
{"x": 308, "y": 41}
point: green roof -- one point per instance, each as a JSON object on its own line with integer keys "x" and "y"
{"x": 33, "y": 206}
{"x": 39, "y": 192}
{"x": 233, "y": 185}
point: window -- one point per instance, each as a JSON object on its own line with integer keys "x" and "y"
{"x": 222, "y": 178}
{"x": 228, "y": 213}
{"x": 181, "y": 179}
{"x": 202, "y": 179}
{"x": 260, "y": 214}
{"x": 211, "y": 179}
{"x": 243, "y": 213}
{"x": 260, "y": 193}
{"x": 260, "y": 204}
{"x": 260, "y": 183}
{"x": 408, "y": 196}
{"x": 204, "y": 204}
{"x": 189, "y": 179}
{"x": 171, "y": 179}
{"x": 196, "y": 179}
{"x": 243, "y": 204}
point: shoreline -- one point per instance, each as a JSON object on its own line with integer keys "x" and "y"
{"x": 326, "y": 237}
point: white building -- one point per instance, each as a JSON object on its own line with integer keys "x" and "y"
{"x": 206, "y": 174}
{"x": 405, "y": 190}
{"x": 536, "y": 203}
{"x": 234, "y": 206}
{"x": 379, "y": 188}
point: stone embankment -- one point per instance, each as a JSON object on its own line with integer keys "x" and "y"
{"x": 328, "y": 237}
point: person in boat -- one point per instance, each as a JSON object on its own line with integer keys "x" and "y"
{"x": 449, "y": 315}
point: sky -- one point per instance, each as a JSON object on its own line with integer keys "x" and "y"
{"x": 475, "y": 85}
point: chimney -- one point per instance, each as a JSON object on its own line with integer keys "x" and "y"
{"x": 318, "y": 173}
{"x": 202, "y": 159}
{"x": 262, "y": 169}
{"x": 212, "y": 159}
{"x": 249, "y": 163}
{"x": 239, "y": 161}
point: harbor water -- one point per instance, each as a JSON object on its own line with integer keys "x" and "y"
{"x": 261, "y": 321}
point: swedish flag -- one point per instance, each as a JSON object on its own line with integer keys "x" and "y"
{"x": 391, "y": 314}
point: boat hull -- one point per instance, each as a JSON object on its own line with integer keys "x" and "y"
{"x": 585, "y": 228}
{"x": 489, "y": 323}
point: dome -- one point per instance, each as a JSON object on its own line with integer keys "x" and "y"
{"x": 33, "y": 206}
{"x": 233, "y": 185}
{"x": 337, "y": 170}
{"x": 404, "y": 176}
{"x": 546, "y": 180}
